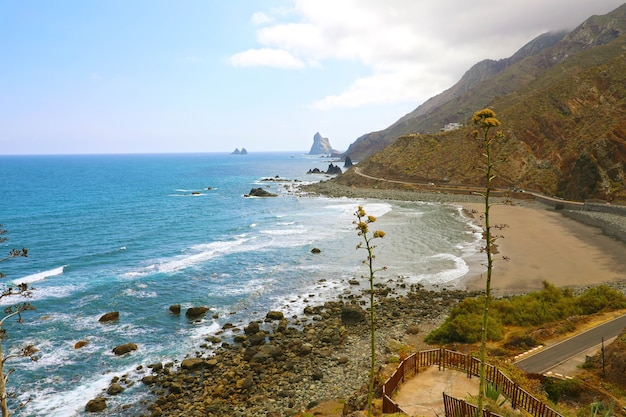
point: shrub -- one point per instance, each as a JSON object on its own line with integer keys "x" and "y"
{"x": 601, "y": 298}
{"x": 559, "y": 388}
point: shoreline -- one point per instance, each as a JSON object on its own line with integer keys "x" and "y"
{"x": 282, "y": 366}
{"x": 567, "y": 249}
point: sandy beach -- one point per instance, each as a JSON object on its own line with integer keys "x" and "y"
{"x": 544, "y": 245}
{"x": 285, "y": 366}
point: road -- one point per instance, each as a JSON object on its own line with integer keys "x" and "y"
{"x": 549, "y": 357}
{"x": 465, "y": 189}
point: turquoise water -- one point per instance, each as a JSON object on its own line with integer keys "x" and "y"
{"x": 138, "y": 233}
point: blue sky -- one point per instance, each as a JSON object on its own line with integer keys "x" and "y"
{"x": 82, "y": 76}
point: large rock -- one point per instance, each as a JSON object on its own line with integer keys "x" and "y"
{"x": 352, "y": 315}
{"x": 252, "y": 328}
{"x": 196, "y": 312}
{"x": 321, "y": 146}
{"x": 333, "y": 170}
{"x": 260, "y": 192}
{"x": 115, "y": 389}
{"x": 97, "y": 405}
{"x": 124, "y": 349}
{"x": 274, "y": 315}
{"x": 196, "y": 363}
{"x": 111, "y": 316}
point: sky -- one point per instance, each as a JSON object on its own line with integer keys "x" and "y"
{"x": 156, "y": 76}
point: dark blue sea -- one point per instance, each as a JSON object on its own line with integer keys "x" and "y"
{"x": 138, "y": 233}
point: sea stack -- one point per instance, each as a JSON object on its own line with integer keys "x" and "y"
{"x": 321, "y": 146}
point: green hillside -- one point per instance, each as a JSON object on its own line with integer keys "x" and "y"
{"x": 563, "y": 112}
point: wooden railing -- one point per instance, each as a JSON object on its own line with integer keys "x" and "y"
{"x": 461, "y": 408}
{"x": 471, "y": 366}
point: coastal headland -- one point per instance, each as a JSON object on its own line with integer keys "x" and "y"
{"x": 284, "y": 365}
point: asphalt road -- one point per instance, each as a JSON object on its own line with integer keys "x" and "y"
{"x": 549, "y": 357}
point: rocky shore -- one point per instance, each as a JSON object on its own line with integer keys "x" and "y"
{"x": 283, "y": 366}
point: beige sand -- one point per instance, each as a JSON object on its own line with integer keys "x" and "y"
{"x": 545, "y": 245}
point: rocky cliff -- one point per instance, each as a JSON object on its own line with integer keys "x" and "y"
{"x": 563, "y": 112}
{"x": 321, "y": 146}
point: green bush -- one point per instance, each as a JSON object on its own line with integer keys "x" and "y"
{"x": 559, "y": 388}
{"x": 549, "y": 305}
{"x": 601, "y": 298}
{"x": 465, "y": 328}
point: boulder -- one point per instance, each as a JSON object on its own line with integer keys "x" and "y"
{"x": 316, "y": 250}
{"x": 352, "y": 315}
{"x": 115, "y": 389}
{"x": 317, "y": 375}
{"x": 81, "y": 344}
{"x": 97, "y": 405}
{"x": 111, "y": 316}
{"x": 124, "y": 349}
{"x": 305, "y": 349}
{"x": 175, "y": 309}
{"x": 193, "y": 363}
{"x": 274, "y": 315}
{"x": 150, "y": 379}
{"x": 196, "y": 312}
{"x": 252, "y": 328}
{"x": 257, "y": 339}
{"x": 260, "y": 192}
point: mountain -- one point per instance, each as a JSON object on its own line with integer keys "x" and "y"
{"x": 434, "y": 113}
{"x": 562, "y": 103}
{"x": 321, "y": 146}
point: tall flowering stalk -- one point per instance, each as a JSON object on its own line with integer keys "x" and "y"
{"x": 362, "y": 226}
{"x": 485, "y": 120}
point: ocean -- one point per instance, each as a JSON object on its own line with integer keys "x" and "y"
{"x": 138, "y": 233}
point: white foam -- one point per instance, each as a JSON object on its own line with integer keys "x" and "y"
{"x": 284, "y": 232}
{"x": 66, "y": 404}
{"x": 203, "y": 253}
{"x": 445, "y": 275}
{"x": 129, "y": 292}
{"x": 200, "y": 332}
{"x": 40, "y": 276}
{"x": 50, "y": 292}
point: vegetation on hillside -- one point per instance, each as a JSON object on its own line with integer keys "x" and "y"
{"x": 565, "y": 113}
{"x": 549, "y": 305}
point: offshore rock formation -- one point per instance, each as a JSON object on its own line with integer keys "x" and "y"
{"x": 243, "y": 151}
{"x": 260, "y": 192}
{"x": 321, "y": 146}
{"x": 332, "y": 170}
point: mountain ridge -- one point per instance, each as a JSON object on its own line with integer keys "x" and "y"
{"x": 563, "y": 111}
{"x": 457, "y": 103}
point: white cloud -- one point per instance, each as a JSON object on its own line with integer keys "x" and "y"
{"x": 260, "y": 18}
{"x": 266, "y": 57}
{"x": 413, "y": 48}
